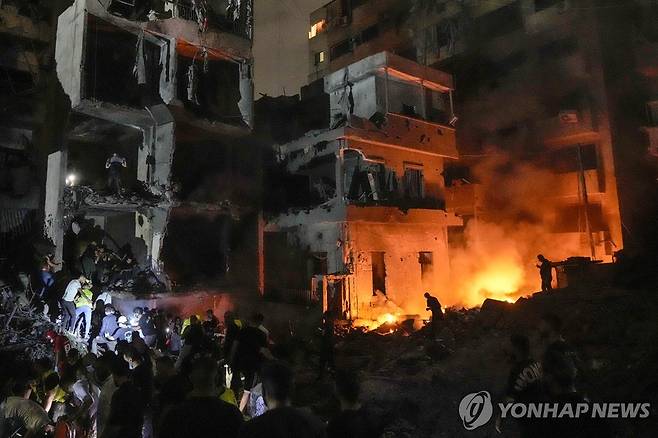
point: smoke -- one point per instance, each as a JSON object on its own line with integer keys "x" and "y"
{"x": 498, "y": 254}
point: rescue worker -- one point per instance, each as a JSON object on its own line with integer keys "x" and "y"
{"x": 83, "y": 301}
{"x": 545, "y": 267}
{"x": 434, "y": 306}
{"x": 114, "y": 166}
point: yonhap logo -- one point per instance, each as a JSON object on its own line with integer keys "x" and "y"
{"x": 476, "y": 409}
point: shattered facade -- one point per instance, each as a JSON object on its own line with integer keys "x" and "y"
{"x": 170, "y": 90}
{"x": 374, "y": 232}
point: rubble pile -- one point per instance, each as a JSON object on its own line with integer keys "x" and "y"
{"x": 23, "y": 329}
{"x": 77, "y": 197}
{"x": 415, "y": 383}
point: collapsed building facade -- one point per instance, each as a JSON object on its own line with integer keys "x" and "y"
{"x": 170, "y": 91}
{"x": 555, "y": 112}
{"x": 373, "y": 235}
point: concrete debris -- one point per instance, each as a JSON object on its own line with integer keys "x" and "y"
{"x": 78, "y": 197}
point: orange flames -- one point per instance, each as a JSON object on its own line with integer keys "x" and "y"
{"x": 500, "y": 279}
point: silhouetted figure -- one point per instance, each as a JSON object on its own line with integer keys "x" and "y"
{"x": 126, "y": 415}
{"x": 327, "y": 344}
{"x": 434, "y": 306}
{"x": 203, "y": 413}
{"x": 523, "y": 382}
{"x": 247, "y": 353}
{"x": 114, "y": 166}
{"x": 353, "y": 421}
{"x": 545, "y": 272}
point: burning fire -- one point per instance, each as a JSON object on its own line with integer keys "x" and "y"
{"x": 372, "y": 324}
{"x": 500, "y": 280}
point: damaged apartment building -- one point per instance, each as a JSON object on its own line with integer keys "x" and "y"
{"x": 368, "y": 227}
{"x": 169, "y": 91}
{"x": 543, "y": 84}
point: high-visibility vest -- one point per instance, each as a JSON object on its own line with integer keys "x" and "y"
{"x": 84, "y": 298}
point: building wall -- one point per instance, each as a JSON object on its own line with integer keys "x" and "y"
{"x": 401, "y": 244}
{"x": 398, "y": 159}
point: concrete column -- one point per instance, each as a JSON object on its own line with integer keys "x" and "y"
{"x": 54, "y": 207}
{"x": 156, "y": 154}
{"x": 246, "y": 103}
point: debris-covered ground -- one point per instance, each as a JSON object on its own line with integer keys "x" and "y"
{"x": 415, "y": 384}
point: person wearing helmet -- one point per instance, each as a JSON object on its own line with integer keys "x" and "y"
{"x": 119, "y": 334}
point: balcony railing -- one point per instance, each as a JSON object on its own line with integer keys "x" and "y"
{"x": 236, "y": 19}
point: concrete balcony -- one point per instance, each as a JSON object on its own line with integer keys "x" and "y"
{"x": 568, "y": 127}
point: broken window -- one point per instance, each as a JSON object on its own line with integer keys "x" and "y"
{"x": 438, "y": 107}
{"x": 378, "y": 272}
{"x": 405, "y": 98}
{"x": 210, "y": 88}
{"x": 414, "y": 186}
{"x": 426, "y": 260}
{"x": 116, "y": 59}
{"x": 368, "y": 180}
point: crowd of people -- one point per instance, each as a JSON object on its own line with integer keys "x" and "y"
{"x": 154, "y": 374}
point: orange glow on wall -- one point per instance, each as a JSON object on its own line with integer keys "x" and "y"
{"x": 316, "y": 28}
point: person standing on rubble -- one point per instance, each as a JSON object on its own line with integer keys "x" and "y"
{"x": 83, "y": 301}
{"x": 114, "y": 166}
{"x": 545, "y": 267}
{"x": 434, "y": 306}
{"x": 67, "y": 304}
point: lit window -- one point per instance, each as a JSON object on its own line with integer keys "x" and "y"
{"x": 316, "y": 29}
{"x": 319, "y": 57}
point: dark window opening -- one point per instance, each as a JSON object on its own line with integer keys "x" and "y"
{"x": 426, "y": 260}
{"x": 378, "y": 272}
{"x": 413, "y": 183}
{"x": 340, "y": 49}
{"x": 109, "y": 61}
{"x": 369, "y": 34}
{"x": 318, "y": 263}
{"x": 214, "y": 93}
{"x": 318, "y": 58}
{"x": 456, "y": 175}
